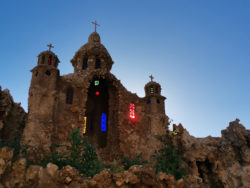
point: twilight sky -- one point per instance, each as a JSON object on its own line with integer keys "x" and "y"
{"x": 199, "y": 51}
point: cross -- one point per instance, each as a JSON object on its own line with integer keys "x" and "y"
{"x": 96, "y": 24}
{"x": 50, "y": 46}
{"x": 151, "y": 77}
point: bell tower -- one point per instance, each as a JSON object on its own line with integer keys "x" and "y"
{"x": 42, "y": 99}
{"x": 154, "y": 99}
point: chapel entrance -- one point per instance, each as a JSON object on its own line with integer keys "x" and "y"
{"x": 97, "y": 112}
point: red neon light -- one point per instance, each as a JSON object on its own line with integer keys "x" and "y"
{"x": 132, "y": 111}
{"x": 97, "y": 93}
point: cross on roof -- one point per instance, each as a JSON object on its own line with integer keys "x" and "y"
{"x": 96, "y": 24}
{"x": 151, "y": 77}
{"x": 50, "y": 46}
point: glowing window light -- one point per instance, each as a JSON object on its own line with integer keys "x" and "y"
{"x": 84, "y": 124}
{"x": 132, "y": 111}
{"x": 97, "y": 93}
{"x": 152, "y": 90}
{"x": 103, "y": 122}
{"x": 97, "y": 82}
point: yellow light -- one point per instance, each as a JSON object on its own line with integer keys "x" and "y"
{"x": 84, "y": 124}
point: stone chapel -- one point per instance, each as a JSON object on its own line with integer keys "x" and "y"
{"x": 92, "y": 99}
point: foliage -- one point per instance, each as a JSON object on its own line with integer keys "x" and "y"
{"x": 79, "y": 154}
{"x": 127, "y": 162}
{"x": 167, "y": 159}
{"x": 115, "y": 167}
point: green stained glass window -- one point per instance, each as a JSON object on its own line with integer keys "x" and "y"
{"x": 96, "y": 82}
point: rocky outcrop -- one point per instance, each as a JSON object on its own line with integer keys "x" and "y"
{"x": 12, "y": 117}
{"x": 211, "y": 162}
{"x": 37, "y": 177}
{"x": 217, "y": 162}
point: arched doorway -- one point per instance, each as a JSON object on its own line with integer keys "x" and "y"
{"x": 97, "y": 112}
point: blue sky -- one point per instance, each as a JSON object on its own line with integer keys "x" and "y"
{"x": 198, "y": 50}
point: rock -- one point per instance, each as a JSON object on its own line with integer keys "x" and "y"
{"x": 68, "y": 174}
{"x": 235, "y": 134}
{"x": 170, "y": 180}
{"x": 45, "y": 179}
{"x": 92, "y": 183}
{"x": 52, "y": 169}
{"x": 12, "y": 117}
{"x": 162, "y": 176}
{"x": 119, "y": 179}
{"x": 32, "y": 175}
{"x": 68, "y": 180}
{"x": 103, "y": 179}
{"x": 16, "y": 177}
{"x": 180, "y": 183}
{"x": 6, "y": 155}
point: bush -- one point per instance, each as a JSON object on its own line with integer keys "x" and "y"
{"x": 167, "y": 159}
{"x": 79, "y": 154}
{"x": 127, "y": 163}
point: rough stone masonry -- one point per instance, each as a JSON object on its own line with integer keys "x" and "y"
{"x": 93, "y": 100}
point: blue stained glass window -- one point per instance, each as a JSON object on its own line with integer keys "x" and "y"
{"x": 103, "y": 122}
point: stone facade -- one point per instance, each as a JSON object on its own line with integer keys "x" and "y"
{"x": 58, "y": 104}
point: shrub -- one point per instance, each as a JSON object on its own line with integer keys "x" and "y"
{"x": 127, "y": 162}
{"x": 79, "y": 154}
{"x": 167, "y": 159}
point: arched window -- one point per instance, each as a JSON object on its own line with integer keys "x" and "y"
{"x": 69, "y": 95}
{"x": 48, "y": 73}
{"x": 97, "y": 63}
{"x": 85, "y": 64}
{"x": 152, "y": 90}
{"x": 42, "y": 61}
{"x": 49, "y": 60}
{"x": 156, "y": 90}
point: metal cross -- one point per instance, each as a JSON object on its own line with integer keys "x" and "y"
{"x": 96, "y": 24}
{"x": 151, "y": 77}
{"x": 50, "y": 46}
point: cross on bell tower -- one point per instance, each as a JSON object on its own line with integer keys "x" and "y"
{"x": 50, "y": 46}
{"x": 151, "y": 77}
{"x": 96, "y": 24}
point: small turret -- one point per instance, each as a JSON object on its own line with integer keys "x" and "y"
{"x": 48, "y": 58}
{"x": 42, "y": 99}
{"x": 45, "y": 73}
{"x": 154, "y": 99}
